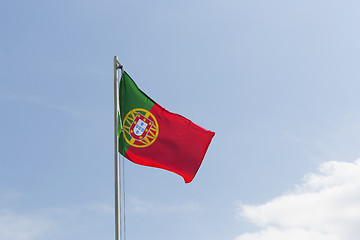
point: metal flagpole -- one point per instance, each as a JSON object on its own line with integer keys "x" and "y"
{"x": 118, "y": 229}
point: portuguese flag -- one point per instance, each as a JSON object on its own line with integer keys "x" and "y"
{"x": 152, "y": 136}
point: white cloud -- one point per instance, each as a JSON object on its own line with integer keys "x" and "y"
{"x": 286, "y": 234}
{"x": 326, "y": 206}
{"x": 70, "y": 222}
{"x": 23, "y": 227}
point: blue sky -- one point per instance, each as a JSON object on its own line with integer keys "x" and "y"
{"x": 278, "y": 81}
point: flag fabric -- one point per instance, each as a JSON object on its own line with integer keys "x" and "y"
{"x": 152, "y": 136}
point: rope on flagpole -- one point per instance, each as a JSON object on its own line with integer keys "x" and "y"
{"x": 122, "y": 178}
{"x": 123, "y": 198}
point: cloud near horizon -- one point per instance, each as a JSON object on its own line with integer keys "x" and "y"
{"x": 52, "y": 223}
{"x": 326, "y": 206}
{"x": 23, "y": 227}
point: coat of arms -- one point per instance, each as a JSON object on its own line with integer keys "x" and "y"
{"x": 140, "y": 127}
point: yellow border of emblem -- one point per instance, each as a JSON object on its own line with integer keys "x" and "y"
{"x": 153, "y": 131}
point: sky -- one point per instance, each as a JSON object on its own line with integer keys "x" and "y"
{"x": 277, "y": 81}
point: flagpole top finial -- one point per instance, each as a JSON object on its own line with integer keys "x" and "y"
{"x": 118, "y": 64}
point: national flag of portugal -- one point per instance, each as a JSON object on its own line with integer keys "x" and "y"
{"x": 152, "y": 136}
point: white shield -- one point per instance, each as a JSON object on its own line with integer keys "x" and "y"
{"x": 140, "y": 127}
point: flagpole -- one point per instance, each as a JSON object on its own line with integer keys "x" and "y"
{"x": 117, "y": 66}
